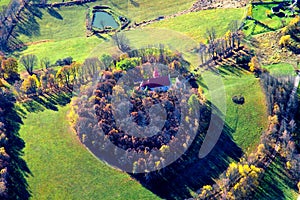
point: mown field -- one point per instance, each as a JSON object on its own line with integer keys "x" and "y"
{"x": 139, "y": 10}
{"x": 247, "y": 121}
{"x": 195, "y": 24}
{"x": 63, "y": 169}
{"x": 59, "y": 38}
{"x": 280, "y": 69}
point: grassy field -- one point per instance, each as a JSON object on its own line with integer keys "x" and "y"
{"x": 195, "y": 24}
{"x": 247, "y": 120}
{"x": 63, "y": 169}
{"x": 259, "y": 14}
{"x": 62, "y": 38}
{"x": 280, "y": 69}
{"x": 275, "y": 184}
{"x": 139, "y": 10}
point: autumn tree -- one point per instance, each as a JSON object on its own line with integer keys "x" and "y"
{"x": 63, "y": 76}
{"x": 10, "y": 69}
{"x": 29, "y": 62}
{"x": 30, "y": 84}
{"x": 284, "y": 40}
{"x": 211, "y": 36}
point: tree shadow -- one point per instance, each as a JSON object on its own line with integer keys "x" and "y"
{"x": 54, "y": 13}
{"x": 223, "y": 70}
{"x": 27, "y": 25}
{"x": 17, "y": 167}
{"x": 50, "y": 100}
{"x": 274, "y": 180}
{"x": 189, "y": 172}
{"x": 134, "y": 3}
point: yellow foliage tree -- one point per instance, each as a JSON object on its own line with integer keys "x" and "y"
{"x": 252, "y": 64}
{"x": 30, "y": 84}
{"x": 284, "y": 40}
{"x": 250, "y": 10}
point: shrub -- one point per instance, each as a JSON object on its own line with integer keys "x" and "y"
{"x": 128, "y": 63}
{"x": 65, "y": 61}
{"x": 238, "y": 99}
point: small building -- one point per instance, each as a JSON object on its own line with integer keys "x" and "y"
{"x": 160, "y": 84}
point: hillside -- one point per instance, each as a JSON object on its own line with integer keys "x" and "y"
{"x": 184, "y": 99}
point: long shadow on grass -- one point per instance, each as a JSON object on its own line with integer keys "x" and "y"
{"x": 17, "y": 187}
{"x": 54, "y": 13}
{"x": 47, "y": 101}
{"x": 27, "y": 25}
{"x": 189, "y": 173}
{"x": 274, "y": 181}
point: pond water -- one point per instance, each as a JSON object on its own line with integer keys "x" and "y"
{"x": 103, "y": 19}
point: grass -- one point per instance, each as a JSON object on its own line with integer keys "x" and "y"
{"x": 62, "y": 38}
{"x": 195, "y": 24}
{"x": 139, "y": 10}
{"x": 259, "y": 14}
{"x": 63, "y": 169}
{"x": 247, "y": 120}
{"x": 275, "y": 183}
{"x": 4, "y": 3}
{"x": 280, "y": 69}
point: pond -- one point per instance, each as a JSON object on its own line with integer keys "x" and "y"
{"x": 103, "y": 19}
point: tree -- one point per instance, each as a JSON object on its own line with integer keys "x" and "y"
{"x": 29, "y": 62}
{"x": 30, "y": 84}
{"x": 121, "y": 41}
{"x": 45, "y": 63}
{"x": 91, "y": 66}
{"x": 284, "y": 40}
{"x": 106, "y": 60}
{"x": 252, "y": 64}
{"x": 63, "y": 76}
{"x": 128, "y": 63}
{"x": 10, "y": 69}
{"x": 211, "y": 36}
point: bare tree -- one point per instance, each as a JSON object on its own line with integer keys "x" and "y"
{"x": 202, "y": 52}
{"x": 211, "y": 36}
{"x": 92, "y": 66}
{"x": 121, "y": 41}
{"x": 28, "y": 62}
{"x": 45, "y": 62}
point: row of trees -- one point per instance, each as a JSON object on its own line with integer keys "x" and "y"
{"x": 69, "y": 73}
{"x": 217, "y": 48}
{"x": 13, "y": 168}
{"x": 8, "y": 18}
